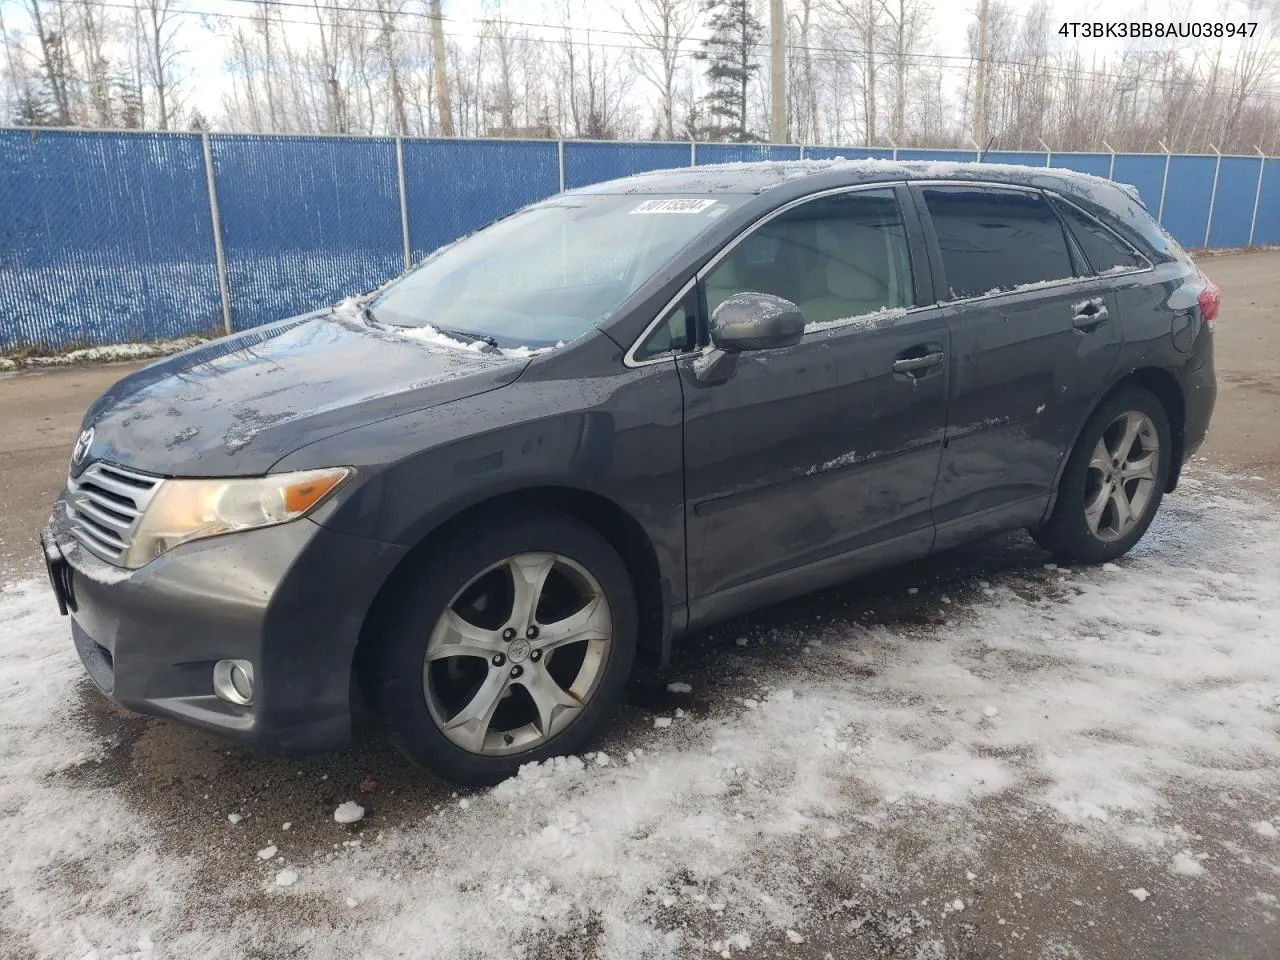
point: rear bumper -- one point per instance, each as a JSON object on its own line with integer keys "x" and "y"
{"x": 289, "y": 599}
{"x": 1200, "y": 393}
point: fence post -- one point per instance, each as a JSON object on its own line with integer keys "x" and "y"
{"x": 693, "y": 153}
{"x": 1048, "y": 152}
{"x": 1111, "y": 169}
{"x": 1164, "y": 182}
{"x": 1213, "y": 195}
{"x": 224, "y": 292}
{"x": 802, "y": 151}
{"x": 1257, "y": 193}
{"x": 560, "y": 161}
{"x": 404, "y": 201}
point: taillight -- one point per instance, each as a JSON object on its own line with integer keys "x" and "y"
{"x": 1210, "y": 300}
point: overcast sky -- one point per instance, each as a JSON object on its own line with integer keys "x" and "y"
{"x": 206, "y": 45}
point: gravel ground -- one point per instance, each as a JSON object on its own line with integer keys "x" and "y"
{"x": 1065, "y": 737}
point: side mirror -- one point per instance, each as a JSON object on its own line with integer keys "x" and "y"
{"x": 745, "y": 322}
{"x": 756, "y": 321}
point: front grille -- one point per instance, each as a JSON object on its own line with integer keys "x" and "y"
{"x": 104, "y": 504}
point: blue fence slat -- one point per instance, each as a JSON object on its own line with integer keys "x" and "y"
{"x": 104, "y": 238}
{"x": 107, "y": 237}
{"x": 744, "y": 152}
{"x": 590, "y": 162}
{"x": 845, "y": 153}
{"x": 943, "y": 156}
{"x": 1098, "y": 164}
{"x": 456, "y": 186}
{"x": 1233, "y": 206}
{"x": 1191, "y": 183}
{"x": 1026, "y": 158}
{"x": 1144, "y": 171}
{"x": 305, "y": 221}
{"x": 1267, "y": 231}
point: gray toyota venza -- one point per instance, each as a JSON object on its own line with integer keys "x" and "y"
{"x": 473, "y": 498}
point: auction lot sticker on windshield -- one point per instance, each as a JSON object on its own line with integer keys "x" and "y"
{"x": 677, "y": 205}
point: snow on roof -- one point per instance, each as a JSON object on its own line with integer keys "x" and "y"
{"x": 758, "y": 176}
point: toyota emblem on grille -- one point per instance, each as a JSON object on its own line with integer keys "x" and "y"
{"x": 83, "y": 443}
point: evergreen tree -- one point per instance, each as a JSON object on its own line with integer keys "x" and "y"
{"x": 33, "y": 109}
{"x": 730, "y": 55}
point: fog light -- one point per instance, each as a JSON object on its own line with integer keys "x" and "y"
{"x": 233, "y": 681}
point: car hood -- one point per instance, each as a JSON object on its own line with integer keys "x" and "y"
{"x": 237, "y": 405}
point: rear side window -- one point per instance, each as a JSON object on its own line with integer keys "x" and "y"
{"x": 993, "y": 241}
{"x": 1105, "y": 252}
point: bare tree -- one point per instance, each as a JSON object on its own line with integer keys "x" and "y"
{"x": 661, "y": 27}
{"x": 160, "y": 21}
{"x": 905, "y": 25}
{"x": 866, "y": 20}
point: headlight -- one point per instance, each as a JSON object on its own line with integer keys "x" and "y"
{"x": 184, "y": 510}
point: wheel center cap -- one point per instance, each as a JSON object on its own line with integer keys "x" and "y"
{"x": 519, "y": 651}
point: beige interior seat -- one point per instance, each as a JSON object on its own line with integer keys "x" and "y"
{"x": 857, "y": 279}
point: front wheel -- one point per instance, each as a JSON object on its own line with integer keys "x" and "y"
{"x": 1113, "y": 481}
{"x": 515, "y": 641}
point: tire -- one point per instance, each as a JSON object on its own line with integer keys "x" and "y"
{"x": 1070, "y": 531}
{"x": 462, "y": 596}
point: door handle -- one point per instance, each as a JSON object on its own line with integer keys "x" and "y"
{"x": 912, "y": 364}
{"x": 1089, "y": 314}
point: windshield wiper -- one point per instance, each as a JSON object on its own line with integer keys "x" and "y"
{"x": 464, "y": 335}
{"x": 484, "y": 338}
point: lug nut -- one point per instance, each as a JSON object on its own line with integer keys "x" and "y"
{"x": 515, "y": 672}
{"x": 508, "y": 633}
{"x": 532, "y": 633}
{"x": 499, "y": 659}
{"x": 535, "y": 655}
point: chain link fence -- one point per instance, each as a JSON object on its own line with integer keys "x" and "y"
{"x": 111, "y": 237}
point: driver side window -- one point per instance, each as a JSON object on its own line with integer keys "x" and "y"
{"x": 837, "y": 258}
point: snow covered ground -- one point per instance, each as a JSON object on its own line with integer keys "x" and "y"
{"x": 1050, "y": 762}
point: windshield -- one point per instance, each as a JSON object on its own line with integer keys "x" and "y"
{"x": 550, "y": 272}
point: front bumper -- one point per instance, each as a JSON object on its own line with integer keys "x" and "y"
{"x": 290, "y": 599}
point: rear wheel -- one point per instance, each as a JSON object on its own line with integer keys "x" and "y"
{"x": 1113, "y": 482}
{"x": 512, "y": 646}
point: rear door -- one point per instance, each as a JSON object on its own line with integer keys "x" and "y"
{"x": 1033, "y": 337}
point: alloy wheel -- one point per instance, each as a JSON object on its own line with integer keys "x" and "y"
{"x": 1122, "y": 474}
{"x": 517, "y": 654}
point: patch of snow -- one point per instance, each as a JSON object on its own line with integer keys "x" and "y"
{"x": 1178, "y": 692}
{"x": 266, "y": 853}
{"x": 844, "y": 460}
{"x": 286, "y": 878}
{"x": 1140, "y": 894}
{"x": 661, "y": 723}
{"x": 1264, "y": 829}
{"x": 109, "y": 353}
{"x": 348, "y": 812}
{"x": 795, "y": 937}
{"x": 235, "y": 817}
{"x": 1187, "y": 865}
{"x": 990, "y": 711}
{"x": 866, "y": 321}
{"x": 679, "y": 686}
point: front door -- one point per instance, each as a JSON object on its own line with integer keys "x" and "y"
{"x": 810, "y": 453}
